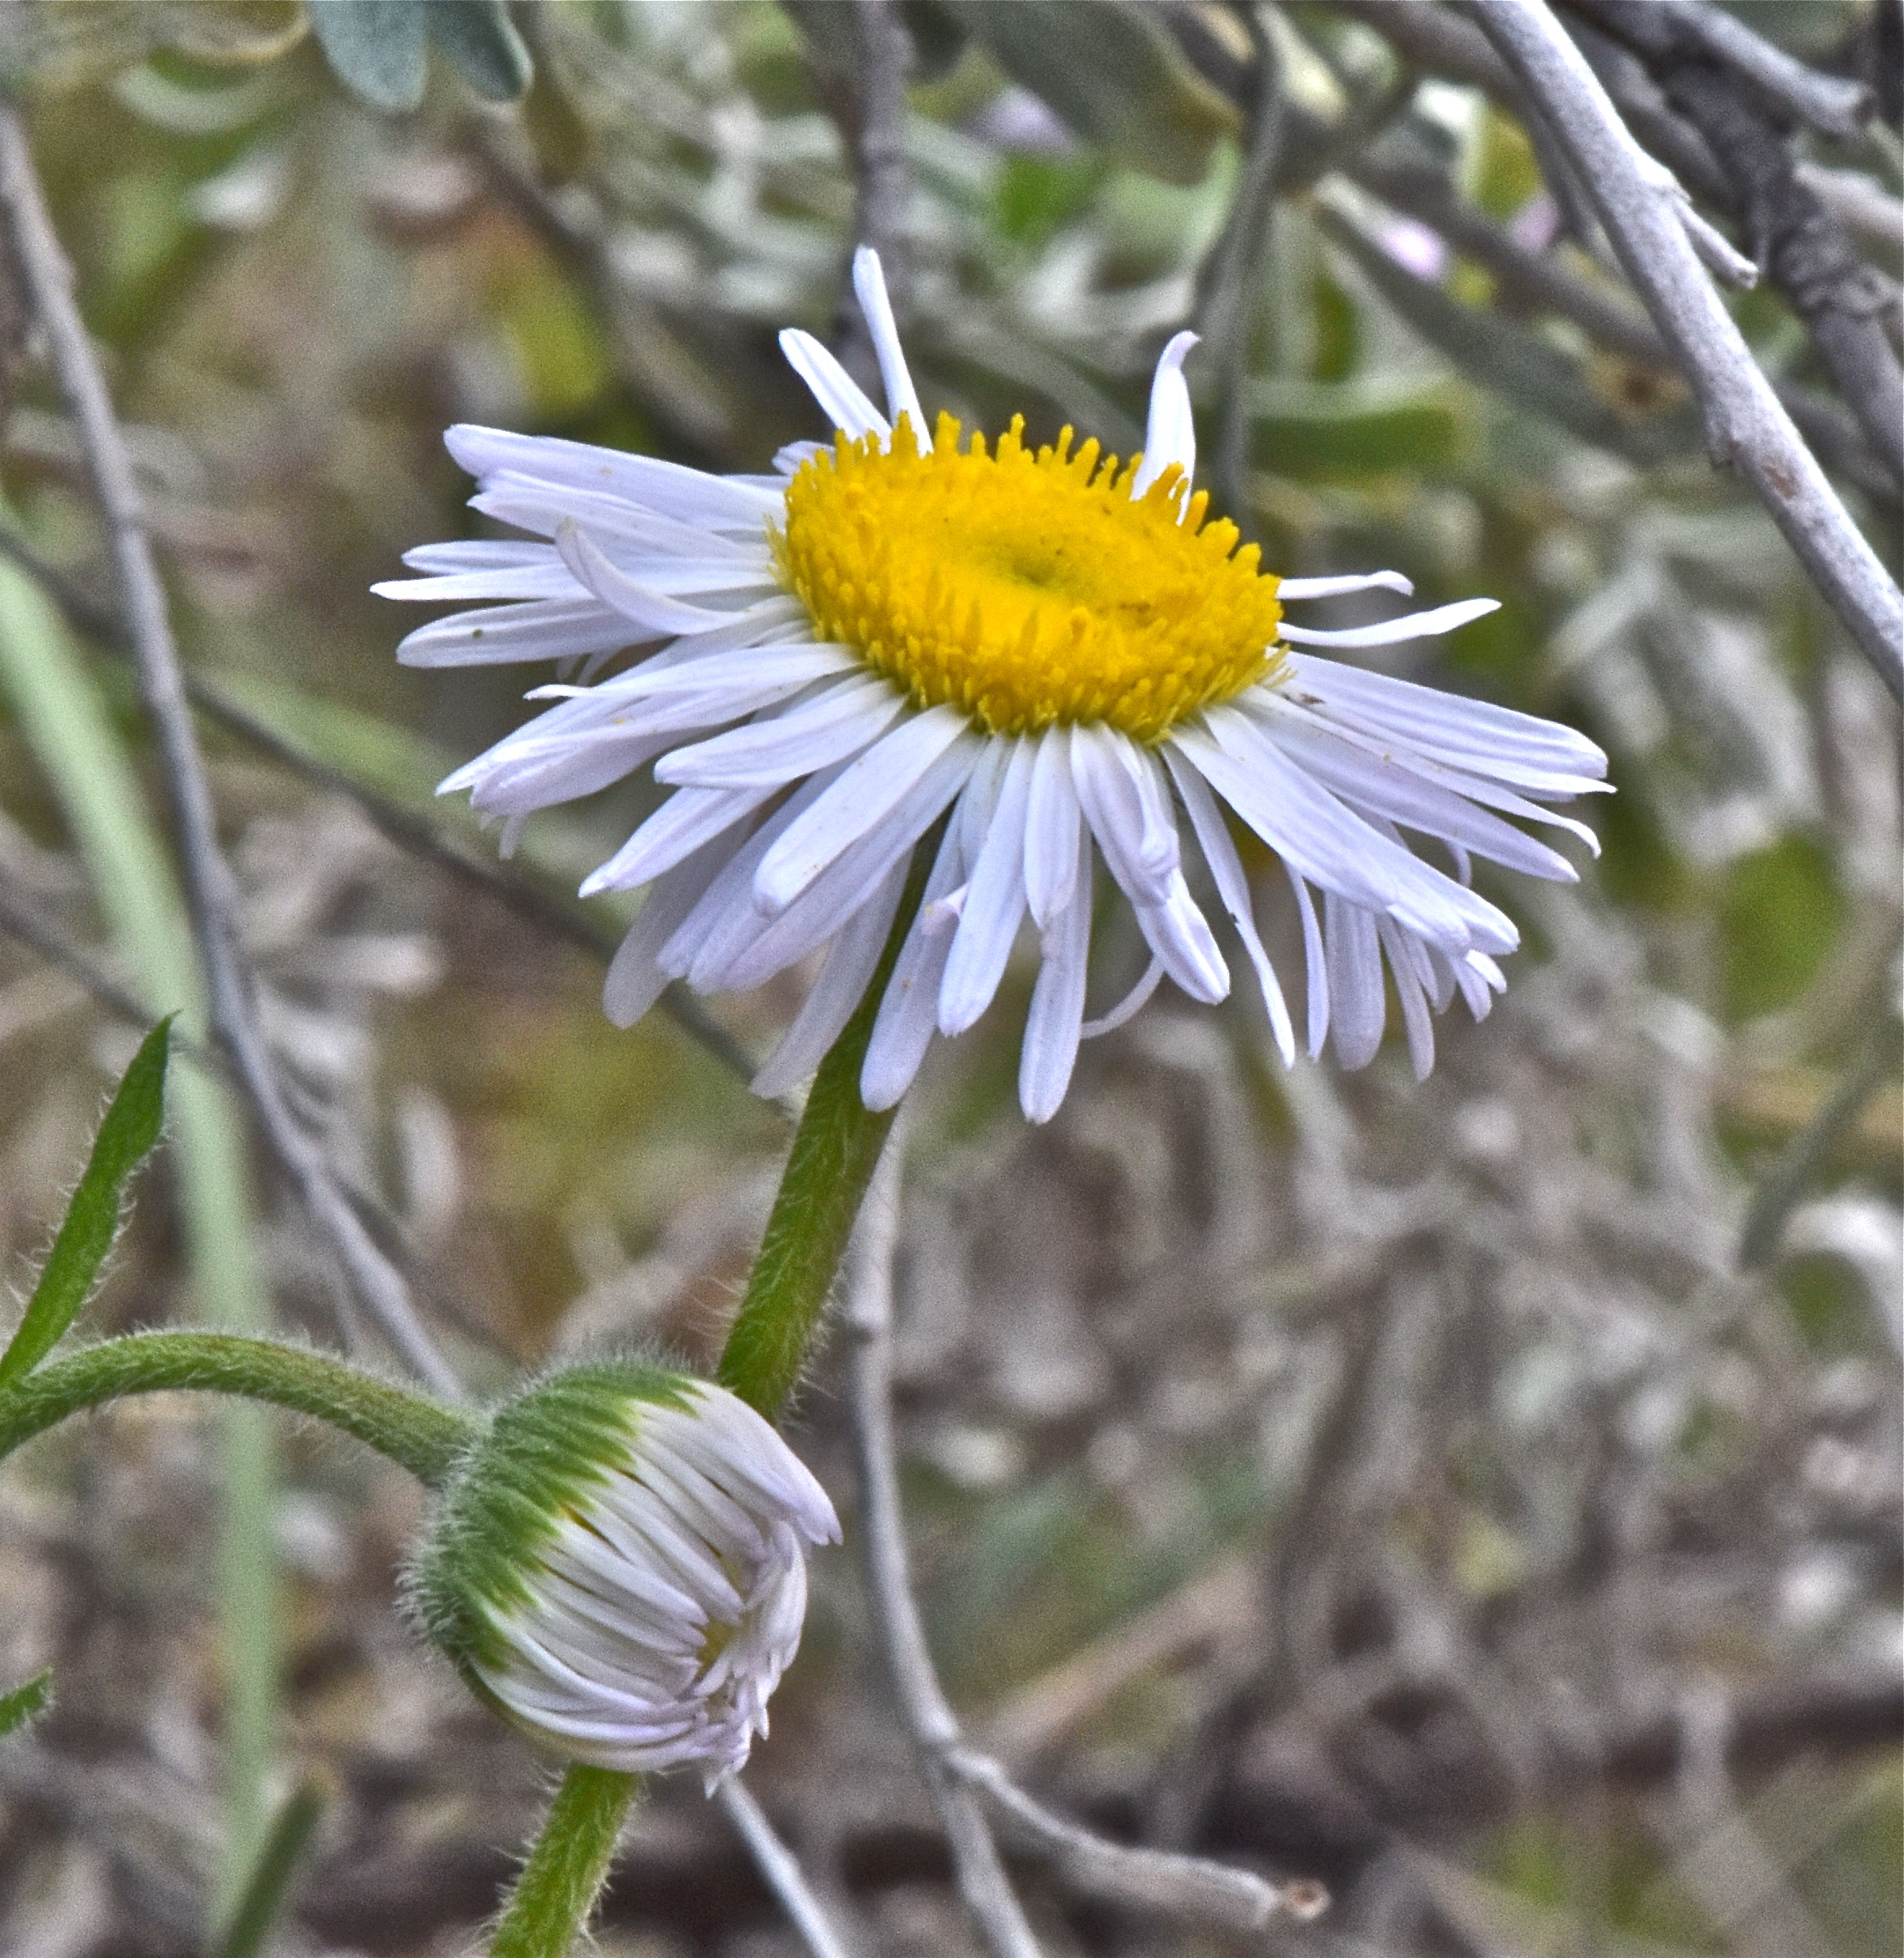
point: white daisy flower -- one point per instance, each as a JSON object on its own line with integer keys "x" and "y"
{"x": 1051, "y": 658}
{"x": 619, "y": 1567}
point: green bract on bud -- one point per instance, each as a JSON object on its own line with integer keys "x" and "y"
{"x": 619, "y": 1567}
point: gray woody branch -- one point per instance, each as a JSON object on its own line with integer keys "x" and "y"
{"x": 776, "y": 1862}
{"x": 1213, "y": 1895}
{"x": 47, "y": 278}
{"x": 1746, "y": 427}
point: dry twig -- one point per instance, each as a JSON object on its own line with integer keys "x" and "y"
{"x": 209, "y": 891}
{"x": 1190, "y": 1888}
{"x": 1746, "y": 426}
{"x": 778, "y": 1864}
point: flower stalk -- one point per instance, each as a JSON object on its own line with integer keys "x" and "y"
{"x": 417, "y": 1434}
{"x": 568, "y": 1865}
{"x": 835, "y": 1150}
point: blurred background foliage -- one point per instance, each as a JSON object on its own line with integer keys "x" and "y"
{"x": 1154, "y": 1357}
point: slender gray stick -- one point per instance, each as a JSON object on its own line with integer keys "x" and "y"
{"x": 880, "y": 145}
{"x": 1214, "y": 1895}
{"x": 1225, "y": 311}
{"x": 21, "y": 918}
{"x": 1199, "y": 1892}
{"x": 924, "y": 1711}
{"x": 1746, "y": 425}
{"x": 1828, "y": 103}
{"x": 778, "y": 1864}
{"x": 872, "y": 118}
{"x": 208, "y": 885}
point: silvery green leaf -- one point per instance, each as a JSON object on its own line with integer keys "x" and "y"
{"x": 480, "y": 41}
{"x": 375, "y": 47}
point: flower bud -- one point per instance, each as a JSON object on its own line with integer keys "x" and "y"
{"x": 619, "y": 1567}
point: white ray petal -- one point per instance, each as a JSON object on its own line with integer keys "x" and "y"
{"x": 995, "y": 903}
{"x": 499, "y": 635}
{"x": 1315, "y": 963}
{"x": 839, "y": 394}
{"x": 1357, "y": 1009}
{"x": 902, "y": 397}
{"x": 652, "y": 610}
{"x": 1057, "y": 1019}
{"x": 1232, "y": 885}
{"x": 726, "y": 920}
{"x": 749, "y": 667}
{"x": 903, "y": 1030}
{"x": 691, "y": 495}
{"x": 1295, "y": 588}
{"x": 1471, "y": 733}
{"x": 1371, "y": 781}
{"x": 635, "y": 981}
{"x": 823, "y": 906}
{"x": 1052, "y": 823}
{"x": 1128, "y": 1007}
{"x": 1330, "y": 845}
{"x": 688, "y": 818}
{"x": 845, "y": 718}
{"x": 551, "y": 579}
{"x": 855, "y": 803}
{"x": 836, "y": 992}
{"x": 620, "y": 526}
{"x": 1170, "y": 434}
{"x": 1417, "y": 1022}
{"x": 1391, "y": 632}
{"x": 477, "y": 554}
{"x": 1109, "y": 772}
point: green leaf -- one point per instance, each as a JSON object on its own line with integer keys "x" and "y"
{"x": 1781, "y": 910}
{"x": 25, "y": 1703}
{"x": 480, "y": 41}
{"x": 1516, "y": 366}
{"x": 130, "y": 1129}
{"x": 1112, "y": 75}
{"x": 262, "y": 1902}
{"x": 375, "y": 47}
{"x": 1313, "y": 430}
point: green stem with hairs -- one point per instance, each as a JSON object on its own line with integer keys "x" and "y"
{"x": 568, "y": 1865}
{"x": 418, "y": 1433}
{"x": 835, "y": 1151}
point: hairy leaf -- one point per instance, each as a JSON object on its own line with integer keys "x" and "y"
{"x": 130, "y": 1129}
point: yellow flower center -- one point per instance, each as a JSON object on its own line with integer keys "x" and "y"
{"x": 1026, "y": 588}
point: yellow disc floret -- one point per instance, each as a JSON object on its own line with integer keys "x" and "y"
{"x": 1026, "y": 587}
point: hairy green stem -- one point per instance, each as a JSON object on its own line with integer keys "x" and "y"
{"x": 420, "y": 1434}
{"x": 567, "y": 1867}
{"x": 834, "y": 1152}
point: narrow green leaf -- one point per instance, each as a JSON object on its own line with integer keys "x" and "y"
{"x": 480, "y": 41}
{"x": 25, "y": 1703}
{"x": 1507, "y": 361}
{"x": 1343, "y": 431}
{"x": 375, "y": 47}
{"x": 130, "y": 1129}
{"x": 263, "y": 1901}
